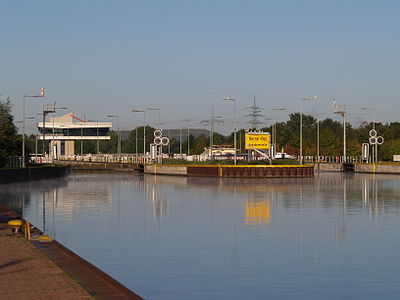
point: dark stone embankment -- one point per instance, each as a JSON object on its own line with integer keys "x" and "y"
{"x": 100, "y": 166}
{"x": 32, "y": 173}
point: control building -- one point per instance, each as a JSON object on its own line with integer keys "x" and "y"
{"x": 63, "y": 131}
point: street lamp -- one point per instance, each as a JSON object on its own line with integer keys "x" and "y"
{"x": 144, "y": 123}
{"x": 144, "y": 128}
{"x": 212, "y": 120}
{"x": 274, "y": 125}
{"x": 97, "y": 127}
{"x": 40, "y": 95}
{"x": 54, "y": 110}
{"x": 119, "y": 133}
{"x": 188, "y": 136}
{"x": 154, "y": 109}
{"x": 341, "y": 110}
{"x": 301, "y": 125}
{"x": 234, "y": 124}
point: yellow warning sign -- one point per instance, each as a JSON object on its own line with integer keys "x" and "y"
{"x": 257, "y": 140}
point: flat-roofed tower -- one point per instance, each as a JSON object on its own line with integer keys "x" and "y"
{"x": 63, "y": 131}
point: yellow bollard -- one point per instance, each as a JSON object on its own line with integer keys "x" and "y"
{"x": 15, "y": 225}
{"x": 27, "y": 230}
{"x": 18, "y": 225}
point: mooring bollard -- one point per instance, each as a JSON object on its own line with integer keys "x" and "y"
{"x": 15, "y": 225}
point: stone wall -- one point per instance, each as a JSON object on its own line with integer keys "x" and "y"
{"x": 165, "y": 170}
{"x": 377, "y": 168}
{"x": 26, "y": 174}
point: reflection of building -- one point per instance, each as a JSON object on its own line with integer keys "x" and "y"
{"x": 63, "y": 131}
{"x": 257, "y": 212}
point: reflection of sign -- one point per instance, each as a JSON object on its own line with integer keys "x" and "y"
{"x": 257, "y": 212}
{"x": 257, "y": 140}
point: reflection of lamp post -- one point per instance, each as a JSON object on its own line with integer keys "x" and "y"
{"x": 119, "y": 133}
{"x": 40, "y": 95}
{"x": 234, "y": 124}
{"x": 301, "y": 125}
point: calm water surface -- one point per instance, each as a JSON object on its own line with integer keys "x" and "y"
{"x": 333, "y": 236}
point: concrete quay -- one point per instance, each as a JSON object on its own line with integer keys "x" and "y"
{"x": 27, "y": 273}
{"x": 48, "y": 270}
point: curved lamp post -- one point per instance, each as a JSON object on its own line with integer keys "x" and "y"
{"x": 301, "y": 125}
{"x": 40, "y": 95}
{"x": 119, "y": 133}
{"x": 234, "y": 124}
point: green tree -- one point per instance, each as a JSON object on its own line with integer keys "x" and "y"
{"x": 10, "y": 142}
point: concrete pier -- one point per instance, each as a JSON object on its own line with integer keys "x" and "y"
{"x": 240, "y": 171}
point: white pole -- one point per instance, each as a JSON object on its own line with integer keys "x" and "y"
{"x": 317, "y": 140}
{"x": 23, "y": 134}
{"x": 180, "y": 142}
{"x": 188, "y": 141}
{"x": 144, "y": 133}
{"x": 234, "y": 131}
{"x": 301, "y": 132}
{"x": 136, "y": 141}
{"x": 344, "y": 136}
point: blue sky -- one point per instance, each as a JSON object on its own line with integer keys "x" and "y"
{"x": 108, "y": 57}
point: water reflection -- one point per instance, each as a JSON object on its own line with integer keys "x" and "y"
{"x": 257, "y": 212}
{"x": 97, "y": 193}
{"x": 219, "y": 235}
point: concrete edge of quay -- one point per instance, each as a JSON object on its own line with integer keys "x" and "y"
{"x": 96, "y": 282}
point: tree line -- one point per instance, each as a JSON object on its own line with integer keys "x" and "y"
{"x": 287, "y": 137}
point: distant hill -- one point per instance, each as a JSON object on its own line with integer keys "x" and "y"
{"x": 174, "y": 133}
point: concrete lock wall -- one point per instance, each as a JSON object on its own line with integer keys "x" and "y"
{"x": 326, "y": 167}
{"x": 377, "y": 168}
{"x": 165, "y": 170}
{"x": 231, "y": 171}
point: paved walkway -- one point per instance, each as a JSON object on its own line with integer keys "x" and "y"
{"x": 27, "y": 273}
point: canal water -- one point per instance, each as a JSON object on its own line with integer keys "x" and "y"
{"x": 334, "y": 236}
